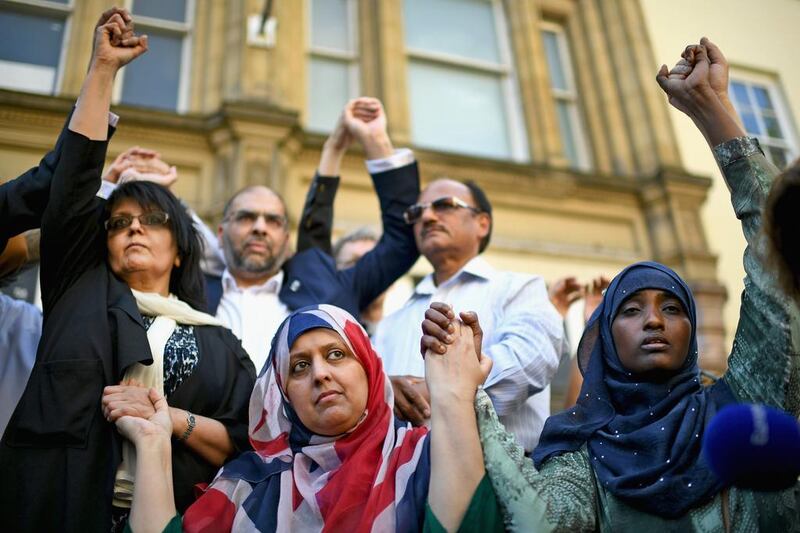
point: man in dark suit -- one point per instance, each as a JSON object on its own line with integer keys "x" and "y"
{"x": 262, "y": 284}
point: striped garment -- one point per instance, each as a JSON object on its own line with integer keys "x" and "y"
{"x": 373, "y": 478}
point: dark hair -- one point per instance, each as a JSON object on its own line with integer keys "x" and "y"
{"x": 781, "y": 222}
{"x": 482, "y": 203}
{"x": 185, "y": 281}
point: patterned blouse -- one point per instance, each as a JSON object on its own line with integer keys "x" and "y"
{"x": 180, "y": 355}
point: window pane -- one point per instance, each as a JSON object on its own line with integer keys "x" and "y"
{"x": 740, "y": 94}
{"x": 464, "y": 28}
{"x": 773, "y": 128}
{"x": 750, "y": 123}
{"x": 778, "y": 156}
{"x": 762, "y": 97}
{"x": 34, "y": 39}
{"x": 565, "y": 124}
{"x": 161, "y": 9}
{"x": 457, "y": 111}
{"x": 30, "y": 48}
{"x": 558, "y": 78}
{"x": 153, "y": 80}
{"x": 330, "y": 26}
{"x": 328, "y": 91}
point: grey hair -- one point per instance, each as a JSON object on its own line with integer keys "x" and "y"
{"x": 363, "y": 233}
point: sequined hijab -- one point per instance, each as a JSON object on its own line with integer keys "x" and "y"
{"x": 643, "y": 438}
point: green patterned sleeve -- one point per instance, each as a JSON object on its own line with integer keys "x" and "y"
{"x": 762, "y": 367}
{"x": 560, "y": 497}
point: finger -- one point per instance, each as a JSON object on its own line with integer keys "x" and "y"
{"x": 402, "y": 407}
{"x": 413, "y": 413}
{"x": 443, "y": 308}
{"x": 420, "y": 405}
{"x": 159, "y": 400}
{"x": 715, "y": 55}
{"x": 661, "y": 78}
{"x": 440, "y": 319}
{"x": 429, "y": 342}
{"x": 130, "y": 42}
{"x": 114, "y": 389}
{"x": 431, "y": 329}
{"x": 485, "y": 363}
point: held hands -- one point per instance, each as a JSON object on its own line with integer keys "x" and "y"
{"x": 141, "y": 164}
{"x": 158, "y": 427}
{"x": 563, "y": 293}
{"x": 115, "y": 44}
{"x": 412, "y": 401}
{"x": 365, "y": 121}
{"x": 454, "y": 365}
{"x": 697, "y": 86}
{"x": 127, "y": 399}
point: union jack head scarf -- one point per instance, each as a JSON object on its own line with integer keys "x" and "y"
{"x": 373, "y": 478}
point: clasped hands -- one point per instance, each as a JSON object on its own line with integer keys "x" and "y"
{"x": 455, "y": 365}
{"x": 138, "y": 412}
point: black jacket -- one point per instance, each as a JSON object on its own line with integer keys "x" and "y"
{"x": 59, "y": 455}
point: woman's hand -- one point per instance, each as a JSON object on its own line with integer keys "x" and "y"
{"x": 115, "y": 44}
{"x": 458, "y": 372}
{"x": 694, "y": 87}
{"x": 157, "y": 426}
{"x": 594, "y": 295}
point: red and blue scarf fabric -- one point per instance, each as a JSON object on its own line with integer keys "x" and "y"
{"x": 372, "y": 478}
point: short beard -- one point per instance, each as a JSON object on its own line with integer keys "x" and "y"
{"x": 252, "y": 267}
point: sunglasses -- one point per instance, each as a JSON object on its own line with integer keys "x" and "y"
{"x": 245, "y": 217}
{"x": 151, "y": 218}
{"x": 440, "y": 206}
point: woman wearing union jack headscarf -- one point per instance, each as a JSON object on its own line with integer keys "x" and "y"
{"x": 329, "y": 454}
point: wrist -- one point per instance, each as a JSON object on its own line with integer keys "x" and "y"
{"x": 378, "y": 146}
{"x": 100, "y": 67}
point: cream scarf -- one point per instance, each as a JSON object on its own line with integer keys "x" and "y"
{"x": 169, "y": 311}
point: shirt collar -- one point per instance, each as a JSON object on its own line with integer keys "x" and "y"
{"x": 476, "y": 267}
{"x": 272, "y": 285}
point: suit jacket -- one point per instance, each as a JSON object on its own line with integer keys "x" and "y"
{"x": 23, "y": 199}
{"x": 311, "y": 277}
{"x": 316, "y": 221}
{"x": 58, "y": 449}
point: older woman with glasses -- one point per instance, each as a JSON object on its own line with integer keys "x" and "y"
{"x": 121, "y": 289}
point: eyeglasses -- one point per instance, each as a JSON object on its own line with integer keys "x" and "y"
{"x": 440, "y": 206}
{"x": 243, "y": 217}
{"x": 151, "y": 218}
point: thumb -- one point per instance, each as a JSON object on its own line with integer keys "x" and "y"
{"x": 485, "y": 363}
{"x": 662, "y": 77}
{"x": 159, "y": 401}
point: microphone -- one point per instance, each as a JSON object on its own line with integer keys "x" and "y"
{"x": 753, "y": 447}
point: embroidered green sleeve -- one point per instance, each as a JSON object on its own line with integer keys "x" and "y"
{"x": 561, "y": 497}
{"x": 763, "y": 364}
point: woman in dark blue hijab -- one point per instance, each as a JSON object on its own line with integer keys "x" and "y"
{"x": 642, "y": 409}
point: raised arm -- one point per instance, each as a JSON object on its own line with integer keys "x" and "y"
{"x": 396, "y": 179}
{"x": 763, "y": 360}
{"x": 453, "y": 378}
{"x": 71, "y": 230}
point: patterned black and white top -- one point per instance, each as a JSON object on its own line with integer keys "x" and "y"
{"x": 180, "y": 355}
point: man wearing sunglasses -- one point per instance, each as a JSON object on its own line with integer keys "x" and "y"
{"x": 522, "y": 331}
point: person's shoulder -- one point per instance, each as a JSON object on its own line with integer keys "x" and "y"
{"x": 311, "y": 258}
{"x": 13, "y": 311}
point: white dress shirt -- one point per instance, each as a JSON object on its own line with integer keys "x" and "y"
{"x": 522, "y": 333}
{"x": 253, "y": 314}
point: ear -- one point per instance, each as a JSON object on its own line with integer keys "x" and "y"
{"x": 220, "y": 230}
{"x": 484, "y": 223}
{"x": 177, "y": 261}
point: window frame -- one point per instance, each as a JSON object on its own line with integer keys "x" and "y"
{"x": 351, "y": 59}
{"x": 173, "y": 28}
{"x": 505, "y": 71}
{"x": 569, "y": 96}
{"x": 45, "y": 7}
{"x": 785, "y": 120}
